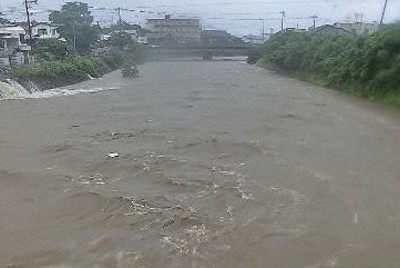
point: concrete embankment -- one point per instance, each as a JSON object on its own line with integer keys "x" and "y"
{"x": 11, "y": 89}
{"x": 7, "y": 91}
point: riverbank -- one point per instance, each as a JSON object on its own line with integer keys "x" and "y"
{"x": 54, "y": 74}
{"x": 390, "y": 99}
{"x": 366, "y": 66}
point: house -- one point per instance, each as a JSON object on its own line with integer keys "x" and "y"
{"x": 44, "y": 31}
{"x": 13, "y": 48}
{"x": 170, "y": 31}
{"x": 331, "y": 30}
{"x": 40, "y": 30}
{"x": 358, "y": 27}
{"x": 11, "y": 37}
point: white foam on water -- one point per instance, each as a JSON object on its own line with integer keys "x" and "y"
{"x": 60, "y": 92}
{"x": 11, "y": 89}
{"x": 7, "y": 91}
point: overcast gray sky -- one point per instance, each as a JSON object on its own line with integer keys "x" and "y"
{"x": 216, "y": 11}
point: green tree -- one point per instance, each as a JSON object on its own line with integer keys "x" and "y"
{"x": 52, "y": 49}
{"x": 121, "y": 40}
{"x": 75, "y": 25}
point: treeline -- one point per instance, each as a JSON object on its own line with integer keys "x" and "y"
{"x": 367, "y": 65}
{"x": 70, "y": 59}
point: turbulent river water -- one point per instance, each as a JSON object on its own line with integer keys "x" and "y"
{"x": 198, "y": 164}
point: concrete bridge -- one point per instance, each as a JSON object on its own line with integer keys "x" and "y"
{"x": 198, "y": 51}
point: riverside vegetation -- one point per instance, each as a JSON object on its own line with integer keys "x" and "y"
{"x": 56, "y": 73}
{"x": 365, "y": 65}
{"x": 59, "y": 63}
{"x": 50, "y": 74}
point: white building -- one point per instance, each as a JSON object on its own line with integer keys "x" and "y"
{"x": 40, "y": 30}
{"x": 44, "y": 31}
{"x": 11, "y": 37}
{"x": 13, "y": 49}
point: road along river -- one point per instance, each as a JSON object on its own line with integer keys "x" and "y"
{"x": 198, "y": 164}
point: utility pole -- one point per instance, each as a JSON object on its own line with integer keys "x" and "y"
{"x": 263, "y": 30}
{"x": 315, "y": 17}
{"x": 282, "y": 19}
{"x": 73, "y": 31}
{"x": 119, "y": 19}
{"x": 383, "y": 13}
{"x": 28, "y": 4}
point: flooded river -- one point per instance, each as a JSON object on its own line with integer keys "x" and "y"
{"x": 198, "y": 164}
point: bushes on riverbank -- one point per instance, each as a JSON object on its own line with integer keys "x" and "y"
{"x": 56, "y": 73}
{"x": 51, "y": 74}
{"x": 367, "y": 65}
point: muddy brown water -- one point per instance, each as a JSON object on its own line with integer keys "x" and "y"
{"x": 220, "y": 164}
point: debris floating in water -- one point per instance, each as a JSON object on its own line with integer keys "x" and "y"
{"x": 227, "y": 173}
{"x": 355, "y": 220}
{"x": 113, "y": 155}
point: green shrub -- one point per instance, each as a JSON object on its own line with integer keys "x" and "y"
{"x": 56, "y": 73}
{"x": 49, "y": 74}
{"x": 368, "y": 64}
{"x": 116, "y": 58}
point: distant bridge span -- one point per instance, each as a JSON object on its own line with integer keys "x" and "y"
{"x": 171, "y": 52}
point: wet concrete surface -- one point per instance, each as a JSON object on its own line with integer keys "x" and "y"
{"x": 216, "y": 164}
